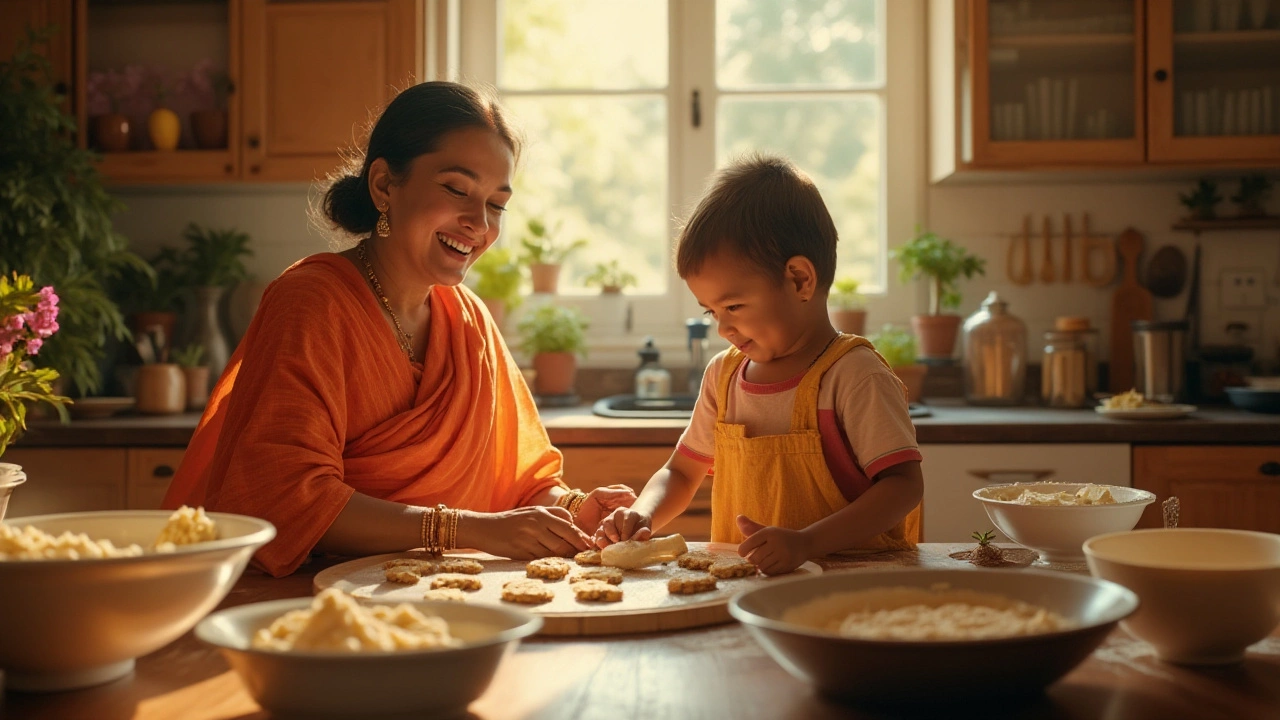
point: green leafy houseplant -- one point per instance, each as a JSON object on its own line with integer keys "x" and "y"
{"x": 544, "y": 248}
{"x": 55, "y": 217}
{"x": 844, "y": 295}
{"x": 1202, "y": 201}
{"x": 897, "y": 346}
{"x": 189, "y": 356}
{"x": 498, "y": 277}
{"x": 28, "y": 318}
{"x": 1252, "y": 196}
{"x": 943, "y": 262}
{"x": 213, "y": 258}
{"x": 610, "y": 278}
{"x": 151, "y": 286}
{"x": 553, "y": 329}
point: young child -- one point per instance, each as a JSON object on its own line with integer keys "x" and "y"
{"x": 807, "y": 428}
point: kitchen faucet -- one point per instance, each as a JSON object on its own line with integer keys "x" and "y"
{"x": 698, "y": 328}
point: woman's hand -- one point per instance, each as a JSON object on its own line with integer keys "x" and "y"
{"x": 523, "y": 533}
{"x": 775, "y": 550}
{"x": 600, "y": 502}
{"x": 623, "y": 524}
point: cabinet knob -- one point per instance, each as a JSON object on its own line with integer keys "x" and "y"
{"x": 254, "y": 142}
{"x": 228, "y": 168}
{"x": 1162, "y": 75}
{"x": 1271, "y": 468}
{"x": 61, "y": 88}
{"x": 255, "y": 169}
{"x": 162, "y": 471}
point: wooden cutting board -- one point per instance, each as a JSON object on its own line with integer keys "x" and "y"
{"x": 1130, "y": 302}
{"x": 646, "y": 606}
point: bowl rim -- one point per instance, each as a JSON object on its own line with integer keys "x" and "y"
{"x": 751, "y": 620}
{"x": 263, "y": 535}
{"x": 1145, "y": 497}
{"x": 530, "y": 625}
{"x": 1091, "y": 553}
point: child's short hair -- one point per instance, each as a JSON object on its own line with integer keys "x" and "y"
{"x": 765, "y": 209}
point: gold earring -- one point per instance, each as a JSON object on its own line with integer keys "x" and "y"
{"x": 384, "y": 225}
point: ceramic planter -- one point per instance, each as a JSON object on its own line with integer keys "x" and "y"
{"x": 545, "y": 277}
{"x": 209, "y": 129}
{"x": 165, "y": 128}
{"x": 913, "y": 377}
{"x": 197, "y": 380}
{"x": 162, "y": 389}
{"x": 937, "y": 334}
{"x": 556, "y": 372}
{"x": 111, "y": 132}
{"x": 849, "y": 321}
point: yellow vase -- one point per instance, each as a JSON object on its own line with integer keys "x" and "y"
{"x": 165, "y": 128}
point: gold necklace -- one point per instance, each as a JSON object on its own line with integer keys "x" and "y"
{"x": 824, "y": 349}
{"x": 403, "y": 338}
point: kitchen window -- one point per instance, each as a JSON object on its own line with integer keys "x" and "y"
{"x": 630, "y": 105}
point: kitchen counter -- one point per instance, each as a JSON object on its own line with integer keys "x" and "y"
{"x": 951, "y": 421}
{"x": 712, "y": 672}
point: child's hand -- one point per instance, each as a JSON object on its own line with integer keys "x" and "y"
{"x": 775, "y": 550}
{"x": 623, "y": 524}
{"x": 600, "y": 502}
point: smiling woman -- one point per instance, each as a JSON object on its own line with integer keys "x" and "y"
{"x": 372, "y": 406}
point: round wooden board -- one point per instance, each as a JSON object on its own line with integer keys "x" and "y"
{"x": 646, "y": 606}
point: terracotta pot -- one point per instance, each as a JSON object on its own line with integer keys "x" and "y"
{"x": 937, "y": 334}
{"x": 162, "y": 389}
{"x": 849, "y": 321}
{"x": 111, "y": 132}
{"x": 497, "y": 310}
{"x": 209, "y": 129}
{"x": 556, "y": 372}
{"x": 545, "y": 277}
{"x": 913, "y": 377}
{"x": 197, "y": 379}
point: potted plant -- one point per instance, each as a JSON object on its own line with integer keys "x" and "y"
{"x": 898, "y": 348}
{"x": 211, "y": 264}
{"x": 1252, "y": 196}
{"x": 1202, "y": 201}
{"x": 553, "y": 336}
{"x": 149, "y": 294}
{"x": 196, "y": 374}
{"x": 497, "y": 282}
{"x": 610, "y": 278}
{"x": 943, "y": 262}
{"x": 544, "y": 253}
{"x": 164, "y": 127}
{"x": 56, "y": 218}
{"x": 28, "y": 317}
{"x": 109, "y": 127}
{"x": 844, "y": 304}
{"x": 208, "y": 89}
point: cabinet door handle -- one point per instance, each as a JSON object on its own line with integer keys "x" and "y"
{"x": 998, "y": 477}
{"x": 162, "y": 471}
{"x": 254, "y": 142}
{"x": 1161, "y": 75}
{"x": 1271, "y": 468}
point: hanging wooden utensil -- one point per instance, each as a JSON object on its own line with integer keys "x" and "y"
{"x": 1046, "y": 262}
{"x": 1066, "y": 247}
{"x": 1025, "y": 275}
{"x": 1103, "y": 246}
{"x": 1130, "y": 302}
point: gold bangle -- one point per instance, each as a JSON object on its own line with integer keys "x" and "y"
{"x": 574, "y": 504}
{"x": 453, "y": 529}
{"x": 426, "y": 513}
{"x": 565, "y": 498}
{"x": 442, "y": 530}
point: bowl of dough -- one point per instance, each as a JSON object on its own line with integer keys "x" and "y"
{"x": 925, "y": 636}
{"x": 338, "y": 654}
{"x": 1055, "y": 519}
{"x": 86, "y": 593}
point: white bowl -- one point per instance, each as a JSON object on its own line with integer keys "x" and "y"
{"x": 896, "y": 671}
{"x": 11, "y": 476}
{"x": 1207, "y": 594}
{"x": 370, "y": 684}
{"x": 73, "y": 623}
{"x": 1057, "y": 532}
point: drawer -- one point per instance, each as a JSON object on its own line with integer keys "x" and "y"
{"x": 150, "y": 471}
{"x": 953, "y": 472}
{"x": 1220, "y": 486}
{"x": 588, "y": 467}
{"x": 67, "y": 480}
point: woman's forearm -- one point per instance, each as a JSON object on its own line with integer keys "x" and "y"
{"x": 369, "y": 526}
{"x": 876, "y": 511}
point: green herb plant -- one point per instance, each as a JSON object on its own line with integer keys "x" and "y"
{"x": 610, "y": 277}
{"x": 553, "y": 328}
{"x": 189, "y": 356}
{"x": 844, "y": 295}
{"x": 498, "y": 277}
{"x": 1252, "y": 196}
{"x": 543, "y": 247}
{"x": 212, "y": 258}
{"x": 895, "y": 345}
{"x": 943, "y": 262}
{"x": 1203, "y": 201}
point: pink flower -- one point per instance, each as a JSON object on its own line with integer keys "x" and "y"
{"x": 33, "y": 345}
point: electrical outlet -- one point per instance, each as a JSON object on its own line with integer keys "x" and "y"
{"x": 1243, "y": 289}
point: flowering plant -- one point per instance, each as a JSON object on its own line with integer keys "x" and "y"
{"x": 27, "y": 317}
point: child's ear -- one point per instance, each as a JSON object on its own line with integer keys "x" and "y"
{"x": 802, "y": 277}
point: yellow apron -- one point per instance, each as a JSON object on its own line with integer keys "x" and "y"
{"x": 783, "y": 480}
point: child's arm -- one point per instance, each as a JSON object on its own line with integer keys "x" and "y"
{"x": 665, "y": 496}
{"x": 897, "y": 490}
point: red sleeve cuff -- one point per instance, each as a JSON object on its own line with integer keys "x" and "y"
{"x": 896, "y": 457}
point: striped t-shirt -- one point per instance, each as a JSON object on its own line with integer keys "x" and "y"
{"x": 862, "y": 417}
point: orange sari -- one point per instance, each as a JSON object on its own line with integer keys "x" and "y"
{"x": 319, "y": 402}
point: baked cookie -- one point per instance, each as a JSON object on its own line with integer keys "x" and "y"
{"x": 459, "y": 565}
{"x": 596, "y": 591}
{"x": 402, "y": 574}
{"x": 451, "y": 594}
{"x": 697, "y": 560}
{"x": 611, "y": 575}
{"x": 588, "y": 557}
{"x": 549, "y": 568}
{"x": 455, "y": 580}
{"x": 422, "y": 567}
{"x": 732, "y": 568}
{"x": 529, "y": 592}
{"x": 689, "y": 583}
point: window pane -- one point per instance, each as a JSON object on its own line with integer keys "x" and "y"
{"x": 582, "y": 44}
{"x": 596, "y": 166}
{"x": 837, "y": 142}
{"x": 797, "y": 43}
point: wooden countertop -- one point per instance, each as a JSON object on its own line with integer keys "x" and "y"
{"x": 951, "y": 421}
{"x": 703, "y": 673}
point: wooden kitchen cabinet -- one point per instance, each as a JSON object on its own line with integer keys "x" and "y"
{"x": 149, "y": 473}
{"x": 68, "y": 480}
{"x": 312, "y": 74}
{"x": 1220, "y": 486}
{"x": 23, "y": 15}
{"x": 1105, "y": 84}
{"x": 591, "y": 466}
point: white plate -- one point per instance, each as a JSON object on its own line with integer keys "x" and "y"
{"x": 1147, "y": 412}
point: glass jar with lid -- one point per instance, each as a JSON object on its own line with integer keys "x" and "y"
{"x": 1064, "y": 372}
{"x": 995, "y": 355}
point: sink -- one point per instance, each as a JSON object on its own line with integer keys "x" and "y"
{"x": 629, "y": 406}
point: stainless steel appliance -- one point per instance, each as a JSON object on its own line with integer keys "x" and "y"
{"x": 1159, "y": 359}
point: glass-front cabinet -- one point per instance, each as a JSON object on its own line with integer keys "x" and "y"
{"x": 1057, "y": 81}
{"x": 1213, "y": 90}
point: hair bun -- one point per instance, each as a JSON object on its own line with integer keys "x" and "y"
{"x": 348, "y": 205}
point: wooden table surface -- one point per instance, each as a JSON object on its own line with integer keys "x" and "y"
{"x": 714, "y": 672}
